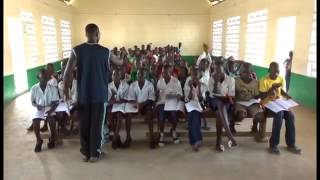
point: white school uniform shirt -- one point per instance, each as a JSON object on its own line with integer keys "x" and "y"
{"x": 53, "y": 82}
{"x": 122, "y": 91}
{"x": 63, "y": 106}
{"x": 43, "y": 99}
{"x": 141, "y": 95}
{"x": 202, "y": 56}
{"x": 173, "y": 87}
{"x": 204, "y": 89}
{"x": 205, "y": 76}
{"x": 60, "y": 88}
{"x": 156, "y": 58}
{"x": 73, "y": 91}
{"x": 224, "y": 88}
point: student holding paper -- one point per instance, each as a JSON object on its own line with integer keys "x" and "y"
{"x": 141, "y": 99}
{"x": 271, "y": 88}
{"x": 118, "y": 91}
{"x": 222, "y": 91}
{"x": 169, "y": 92}
{"x": 45, "y": 99}
{"x": 195, "y": 93}
{"x": 247, "y": 95}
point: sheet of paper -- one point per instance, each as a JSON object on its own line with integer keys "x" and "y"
{"x": 275, "y": 107}
{"x": 171, "y": 105}
{"x": 38, "y": 114}
{"x": 47, "y": 108}
{"x": 118, "y": 107}
{"x": 62, "y": 107}
{"x": 249, "y": 103}
{"x": 286, "y": 103}
{"x": 193, "y": 105}
{"x": 129, "y": 108}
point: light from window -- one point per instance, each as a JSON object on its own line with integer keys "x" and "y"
{"x": 256, "y": 37}
{"x": 217, "y": 38}
{"x": 232, "y": 38}
{"x": 66, "y": 38}
{"x": 50, "y": 39}
{"x": 312, "y": 60}
{"x": 30, "y": 35}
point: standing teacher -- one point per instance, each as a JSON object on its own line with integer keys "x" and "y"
{"x": 92, "y": 62}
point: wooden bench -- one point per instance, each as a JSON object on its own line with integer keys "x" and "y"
{"x": 205, "y": 114}
{"x": 181, "y": 133}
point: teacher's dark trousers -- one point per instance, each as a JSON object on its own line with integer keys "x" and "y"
{"x": 92, "y": 117}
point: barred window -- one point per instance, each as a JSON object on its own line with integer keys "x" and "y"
{"x": 50, "y": 39}
{"x": 312, "y": 59}
{"x": 65, "y": 38}
{"x": 217, "y": 38}
{"x": 232, "y": 38}
{"x": 256, "y": 37}
{"x": 30, "y": 36}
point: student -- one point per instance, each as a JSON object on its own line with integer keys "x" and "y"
{"x": 62, "y": 110}
{"x": 63, "y": 67}
{"x": 271, "y": 88}
{"x": 288, "y": 64}
{"x": 118, "y": 91}
{"x": 183, "y": 75}
{"x": 153, "y": 75}
{"x": 205, "y": 55}
{"x": 134, "y": 70}
{"x": 52, "y": 74}
{"x": 168, "y": 87}
{"x": 53, "y": 82}
{"x": 195, "y": 91}
{"x": 222, "y": 91}
{"x": 142, "y": 95}
{"x": 231, "y": 66}
{"x": 73, "y": 103}
{"x": 247, "y": 88}
{"x": 45, "y": 99}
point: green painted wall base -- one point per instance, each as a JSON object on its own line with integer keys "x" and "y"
{"x": 9, "y": 90}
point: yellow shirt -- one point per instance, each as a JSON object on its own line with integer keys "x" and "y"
{"x": 266, "y": 83}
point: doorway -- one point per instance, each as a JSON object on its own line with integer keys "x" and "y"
{"x": 16, "y": 45}
{"x": 286, "y": 30}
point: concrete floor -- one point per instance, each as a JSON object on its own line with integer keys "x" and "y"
{"x": 248, "y": 161}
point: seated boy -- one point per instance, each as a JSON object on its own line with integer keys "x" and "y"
{"x": 73, "y": 105}
{"x": 222, "y": 91}
{"x": 195, "y": 91}
{"x": 168, "y": 87}
{"x": 45, "y": 99}
{"x": 247, "y": 88}
{"x": 117, "y": 94}
{"x": 142, "y": 95}
{"x": 271, "y": 88}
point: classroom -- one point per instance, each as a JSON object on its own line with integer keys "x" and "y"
{"x": 170, "y": 89}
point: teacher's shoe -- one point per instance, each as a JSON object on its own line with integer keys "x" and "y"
{"x": 95, "y": 159}
{"x": 294, "y": 149}
{"x": 274, "y": 150}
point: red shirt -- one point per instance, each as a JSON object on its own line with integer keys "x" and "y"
{"x": 128, "y": 68}
{"x": 175, "y": 72}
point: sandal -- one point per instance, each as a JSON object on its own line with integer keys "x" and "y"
{"x": 38, "y": 147}
{"x": 51, "y": 144}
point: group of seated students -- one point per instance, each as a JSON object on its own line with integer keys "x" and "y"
{"x": 151, "y": 78}
{"x": 47, "y": 99}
